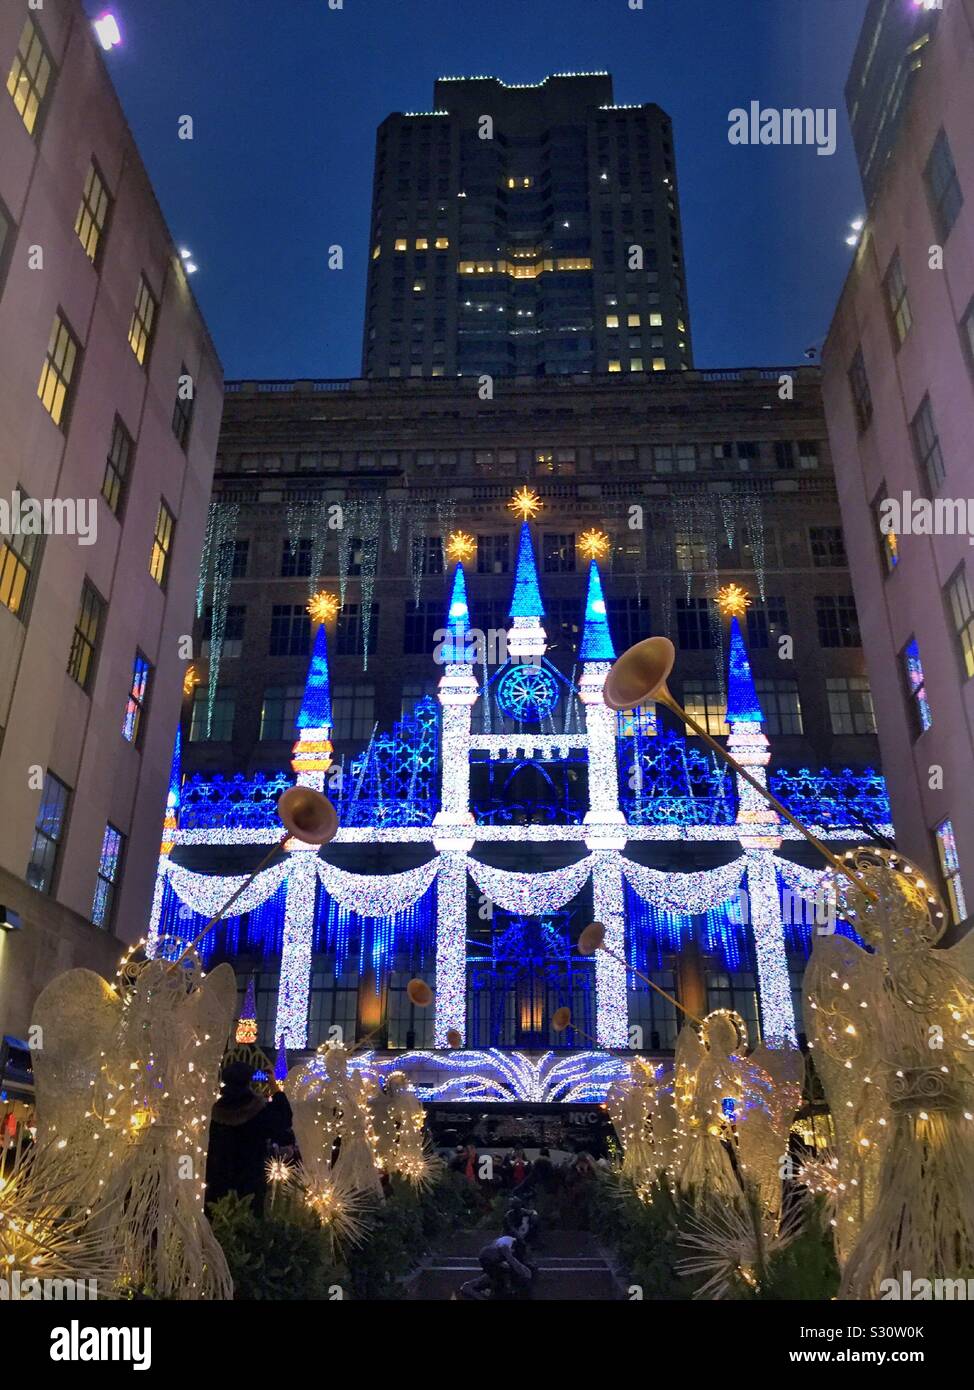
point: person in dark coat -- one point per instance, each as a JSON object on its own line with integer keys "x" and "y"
{"x": 243, "y": 1126}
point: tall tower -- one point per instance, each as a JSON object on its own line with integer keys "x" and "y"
{"x": 526, "y": 230}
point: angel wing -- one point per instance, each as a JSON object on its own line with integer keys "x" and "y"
{"x": 77, "y": 1015}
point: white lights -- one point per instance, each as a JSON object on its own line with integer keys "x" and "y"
{"x": 107, "y": 31}
{"x": 856, "y": 226}
{"x": 189, "y": 265}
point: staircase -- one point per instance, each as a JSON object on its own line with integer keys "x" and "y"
{"x": 570, "y": 1266}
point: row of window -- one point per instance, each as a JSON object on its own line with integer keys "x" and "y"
{"x": 697, "y": 624}
{"x": 49, "y": 832}
{"x": 959, "y": 603}
{"x": 353, "y": 707}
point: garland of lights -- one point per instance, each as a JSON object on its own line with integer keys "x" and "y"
{"x": 369, "y": 521}
{"x": 376, "y": 895}
{"x": 320, "y": 531}
{"x": 687, "y": 894}
{"x": 494, "y": 1075}
{"x": 750, "y": 504}
{"x": 221, "y": 553}
{"x": 531, "y": 894}
{"x": 397, "y": 512}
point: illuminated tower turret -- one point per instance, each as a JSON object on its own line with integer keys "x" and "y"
{"x": 311, "y": 755}
{"x": 526, "y": 637}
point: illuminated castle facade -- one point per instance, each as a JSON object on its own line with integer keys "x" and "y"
{"x": 499, "y": 815}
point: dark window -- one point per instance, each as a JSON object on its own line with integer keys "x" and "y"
{"x": 117, "y": 467}
{"x": 897, "y": 303}
{"x": 766, "y": 622}
{"x": 943, "y": 186}
{"x": 289, "y": 630}
{"x": 828, "y": 547}
{"x": 838, "y": 622}
{"x": 233, "y": 630}
{"x": 84, "y": 643}
{"x": 493, "y": 554}
{"x": 279, "y": 711}
{"x": 219, "y": 727}
{"x": 422, "y": 620}
{"x": 850, "y": 705}
{"x": 693, "y": 626}
{"x": 781, "y": 706}
{"x": 349, "y": 636}
{"x": 93, "y": 214}
{"x": 353, "y": 708}
{"x": 7, "y": 233}
{"x": 109, "y": 868}
{"x": 182, "y": 414}
{"x": 296, "y": 557}
{"x": 558, "y": 552}
{"x": 628, "y": 620}
{"x": 861, "y": 395}
{"x": 427, "y": 554}
{"x": 52, "y": 816}
{"x": 926, "y": 446}
{"x": 138, "y": 696}
{"x": 241, "y": 557}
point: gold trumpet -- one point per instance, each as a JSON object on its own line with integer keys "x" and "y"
{"x": 639, "y": 675}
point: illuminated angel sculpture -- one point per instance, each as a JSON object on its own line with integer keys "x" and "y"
{"x": 708, "y": 1086}
{"x": 126, "y": 1078}
{"x": 773, "y": 1079}
{"x": 333, "y": 1121}
{"x": 399, "y": 1117}
{"x": 630, "y": 1103}
{"x": 893, "y": 1035}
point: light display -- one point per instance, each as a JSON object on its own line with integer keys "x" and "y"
{"x": 612, "y": 1023}
{"x": 525, "y": 503}
{"x": 494, "y": 1075}
{"x": 315, "y": 712}
{"x": 742, "y": 702}
{"x": 777, "y": 1012}
{"x": 451, "y": 950}
{"x": 596, "y": 644}
{"x": 527, "y": 693}
{"x": 246, "y": 1029}
{"x": 461, "y": 547}
{"x": 526, "y": 601}
{"x": 732, "y": 600}
{"x": 323, "y": 607}
{"x": 219, "y": 557}
{"x": 533, "y": 894}
{"x": 594, "y": 545}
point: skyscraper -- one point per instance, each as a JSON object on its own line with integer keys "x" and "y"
{"x": 890, "y": 50}
{"x": 526, "y": 230}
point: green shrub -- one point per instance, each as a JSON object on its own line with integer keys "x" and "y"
{"x": 284, "y": 1255}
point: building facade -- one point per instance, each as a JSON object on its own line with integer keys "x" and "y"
{"x": 528, "y": 230}
{"x": 899, "y": 395}
{"x": 363, "y": 495}
{"x": 890, "y": 52}
{"x": 110, "y": 403}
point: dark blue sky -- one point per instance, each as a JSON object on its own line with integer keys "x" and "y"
{"x": 286, "y": 96}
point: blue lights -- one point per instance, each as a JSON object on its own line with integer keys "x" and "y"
{"x": 834, "y": 797}
{"x": 395, "y": 781}
{"x": 526, "y": 599}
{"x": 315, "y": 712}
{"x": 457, "y": 621}
{"x": 742, "y": 701}
{"x": 596, "y": 638}
{"x": 526, "y": 693}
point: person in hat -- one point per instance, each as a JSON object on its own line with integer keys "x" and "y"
{"x": 243, "y": 1126}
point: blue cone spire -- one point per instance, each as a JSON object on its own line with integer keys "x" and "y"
{"x": 596, "y": 638}
{"x": 458, "y": 618}
{"x": 175, "y": 774}
{"x": 742, "y": 701}
{"x": 526, "y": 600}
{"x": 315, "y": 712}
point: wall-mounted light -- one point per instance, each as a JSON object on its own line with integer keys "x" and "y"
{"x": 108, "y": 32}
{"x": 189, "y": 265}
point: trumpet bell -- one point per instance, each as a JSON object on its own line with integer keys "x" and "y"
{"x": 591, "y": 938}
{"x": 639, "y": 674}
{"x": 419, "y": 993}
{"x": 453, "y": 1037}
{"x": 560, "y": 1019}
{"x": 307, "y": 815}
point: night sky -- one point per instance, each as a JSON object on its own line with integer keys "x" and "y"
{"x": 286, "y": 96}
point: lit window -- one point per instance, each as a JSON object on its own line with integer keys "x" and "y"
{"x": 161, "y": 544}
{"x": 18, "y": 555}
{"x": 916, "y": 690}
{"x": 703, "y": 703}
{"x": 117, "y": 466}
{"x": 633, "y": 320}
{"x": 960, "y": 605}
{"x": 401, "y": 244}
{"x": 442, "y": 243}
{"x": 656, "y": 320}
{"x": 419, "y": 286}
{"x": 109, "y": 867}
{"x": 137, "y": 699}
{"x": 897, "y": 303}
{"x": 615, "y": 365}
{"x": 950, "y": 869}
{"x": 659, "y": 364}
{"x": 376, "y": 252}
{"x": 143, "y": 321}
{"x": 422, "y": 243}
{"x": 635, "y": 364}
{"x": 84, "y": 643}
{"x": 54, "y": 387}
{"x": 888, "y": 543}
{"x": 93, "y": 214}
{"x": 850, "y": 705}
{"x": 30, "y": 74}
{"x": 52, "y": 816}
{"x": 612, "y": 320}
